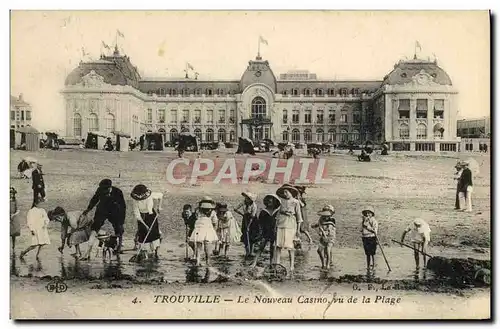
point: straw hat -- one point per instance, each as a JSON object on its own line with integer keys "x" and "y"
{"x": 272, "y": 196}
{"x": 206, "y": 205}
{"x": 418, "y": 222}
{"x": 327, "y": 211}
{"x": 370, "y": 209}
{"x": 222, "y": 207}
{"x": 249, "y": 195}
{"x": 281, "y": 191}
{"x": 207, "y": 199}
{"x": 140, "y": 192}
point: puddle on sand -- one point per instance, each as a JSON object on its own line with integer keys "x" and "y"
{"x": 172, "y": 266}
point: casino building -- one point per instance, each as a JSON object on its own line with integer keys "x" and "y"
{"x": 412, "y": 108}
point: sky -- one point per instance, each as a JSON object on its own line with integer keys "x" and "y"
{"x": 47, "y": 46}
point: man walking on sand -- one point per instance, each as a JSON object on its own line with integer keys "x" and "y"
{"x": 465, "y": 188}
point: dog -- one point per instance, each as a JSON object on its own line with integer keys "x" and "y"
{"x": 108, "y": 244}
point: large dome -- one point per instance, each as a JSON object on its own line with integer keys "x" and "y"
{"x": 404, "y": 71}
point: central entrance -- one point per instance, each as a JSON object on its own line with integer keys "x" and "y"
{"x": 259, "y": 124}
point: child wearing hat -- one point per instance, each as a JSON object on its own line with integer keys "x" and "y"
{"x": 327, "y": 232}
{"x": 203, "y": 233}
{"x": 38, "y": 222}
{"x": 369, "y": 230}
{"x": 249, "y": 225}
{"x": 267, "y": 223}
{"x": 420, "y": 235}
{"x": 228, "y": 229}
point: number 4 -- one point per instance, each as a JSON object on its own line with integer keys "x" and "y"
{"x": 135, "y": 300}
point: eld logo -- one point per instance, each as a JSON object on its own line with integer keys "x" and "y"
{"x": 244, "y": 170}
{"x": 57, "y": 286}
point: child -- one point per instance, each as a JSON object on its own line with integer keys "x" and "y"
{"x": 327, "y": 232}
{"x": 304, "y": 226}
{"x": 203, "y": 233}
{"x": 228, "y": 230}
{"x": 267, "y": 223}
{"x": 369, "y": 230}
{"x": 420, "y": 235}
{"x": 15, "y": 223}
{"x": 189, "y": 218}
{"x": 38, "y": 222}
{"x": 287, "y": 221}
{"x": 78, "y": 225}
{"x": 249, "y": 226}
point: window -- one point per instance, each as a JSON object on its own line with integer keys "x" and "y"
{"x": 22, "y": 115}
{"x": 319, "y": 116}
{"x": 77, "y": 125}
{"x": 285, "y": 135}
{"x": 232, "y": 136}
{"x": 222, "y": 116}
{"x": 421, "y": 131}
{"x": 197, "y": 92}
{"x": 308, "y": 136}
{"x": 295, "y": 92}
{"x": 209, "y": 135}
{"x": 210, "y": 116}
{"x": 185, "y": 92}
{"x": 285, "y": 116}
{"x": 221, "y": 135}
{"x": 343, "y": 92}
{"x": 109, "y": 121}
{"x": 439, "y": 109}
{"x": 331, "y": 116}
{"x": 344, "y": 136}
{"x": 285, "y": 92}
{"x": 220, "y": 92}
{"x": 295, "y": 116}
{"x": 161, "y": 92}
{"x": 404, "y": 109}
{"x": 404, "y": 131}
{"x": 232, "y": 116}
{"x": 209, "y": 92}
{"x": 355, "y": 136}
{"x": 173, "y": 92}
{"x": 356, "y": 118}
{"x": 185, "y": 116}
{"x": 295, "y": 136}
{"x": 161, "y": 116}
{"x": 173, "y": 116}
{"x": 173, "y": 134}
{"x": 421, "y": 108}
{"x": 438, "y": 131}
{"x": 355, "y": 91}
{"x": 266, "y": 132}
{"x": 258, "y": 108}
{"x": 18, "y": 115}
{"x": 307, "y": 92}
{"x": 320, "y": 92}
{"x": 149, "y": 115}
{"x": 307, "y": 116}
{"x": 93, "y": 122}
{"x": 13, "y": 115}
{"x": 331, "y": 92}
{"x": 331, "y": 135}
{"x": 320, "y": 137}
{"x": 343, "y": 118}
{"x": 12, "y": 126}
{"x": 197, "y": 133}
{"x": 197, "y": 116}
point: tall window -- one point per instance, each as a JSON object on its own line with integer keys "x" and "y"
{"x": 404, "y": 108}
{"x": 331, "y": 92}
{"x": 285, "y": 135}
{"x": 232, "y": 116}
{"x": 161, "y": 116}
{"x": 307, "y": 92}
{"x": 344, "y": 136}
{"x": 438, "y": 131}
{"x": 77, "y": 125}
{"x": 173, "y": 134}
{"x": 438, "y": 108}
{"x": 163, "y": 133}
{"x": 185, "y": 92}
{"x": 266, "y": 132}
{"x": 320, "y": 137}
{"x": 13, "y": 115}
{"x": 109, "y": 120}
{"x": 319, "y": 116}
{"x": 197, "y": 116}
{"x": 258, "y": 107}
{"x": 295, "y": 136}
{"x": 307, "y": 116}
{"x": 295, "y": 116}
{"x": 319, "y": 92}
{"x": 173, "y": 92}
{"x": 210, "y": 116}
{"x": 331, "y": 116}
{"x": 222, "y": 116}
{"x": 197, "y": 92}
{"x": 355, "y": 136}
{"x": 307, "y": 135}
{"x": 421, "y": 108}
{"x": 285, "y": 116}
{"x": 161, "y": 92}
{"x": 185, "y": 116}
{"x": 343, "y": 118}
{"x": 28, "y": 115}
{"x": 93, "y": 122}
{"x": 332, "y": 135}
{"x": 356, "y": 118}
{"x": 404, "y": 131}
{"x": 421, "y": 131}
{"x": 149, "y": 116}
{"x": 173, "y": 116}
{"x": 221, "y": 135}
{"x": 295, "y": 92}
{"x": 209, "y": 135}
{"x": 343, "y": 92}
{"x": 22, "y": 115}
{"x": 232, "y": 136}
{"x": 209, "y": 92}
{"x": 197, "y": 133}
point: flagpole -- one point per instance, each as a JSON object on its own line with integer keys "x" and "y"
{"x": 258, "y": 48}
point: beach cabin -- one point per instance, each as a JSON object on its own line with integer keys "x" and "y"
{"x": 95, "y": 140}
{"x": 27, "y": 138}
{"x": 121, "y": 141}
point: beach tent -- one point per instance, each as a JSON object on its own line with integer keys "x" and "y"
{"x": 95, "y": 140}
{"x": 29, "y": 138}
{"x": 245, "y": 145}
{"x": 188, "y": 142}
{"x": 122, "y": 141}
{"x": 154, "y": 141}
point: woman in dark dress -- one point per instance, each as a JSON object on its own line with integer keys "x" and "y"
{"x": 249, "y": 226}
{"x": 267, "y": 224}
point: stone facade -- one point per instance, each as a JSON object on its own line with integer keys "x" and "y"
{"x": 21, "y": 113}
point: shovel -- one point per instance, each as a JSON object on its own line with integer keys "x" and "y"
{"x": 134, "y": 258}
{"x": 412, "y": 248}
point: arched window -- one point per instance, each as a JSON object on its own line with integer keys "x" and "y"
{"x": 332, "y": 136}
{"x": 285, "y": 92}
{"x": 404, "y": 131}
{"x": 438, "y": 131}
{"x": 77, "y": 125}
{"x": 161, "y": 92}
{"x": 285, "y": 135}
{"x": 93, "y": 122}
{"x": 320, "y": 137}
{"x": 232, "y": 136}
{"x": 173, "y": 134}
{"x": 209, "y": 135}
{"x": 197, "y": 133}
{"x": 307, "y": 135}
{"x": 295, "y": 92}
{"x": 209, "y": 92}
{"x": 109, "y": 121}
{"x": 184, "y": 130}
{"x": 307, "y": 92}
{"x": 319, "y": 92}
{"x": 295, "y": 136}
{"x": 344, "y": 136}
{"x": 173, "y": 92}
{"x": 163, "y": 133}
{"x": 331, "y": 92}
{"x": 221, "y": 135}
{"x": 258, "y": 108}
{"x": 185, "y": 92}
{"x": 355, "y": 136}
{"x": 421, "y": 131}
{"x": 198, "y": 92}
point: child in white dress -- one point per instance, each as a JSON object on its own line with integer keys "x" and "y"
{"x": 38, "y": 221}
{"x": 204, "y": 233}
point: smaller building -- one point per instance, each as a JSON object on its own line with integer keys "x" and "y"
{"x": 20, "y": 112}
{"x": 474, "y": 128}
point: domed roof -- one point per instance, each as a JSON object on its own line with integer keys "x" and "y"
{"x": 404, "y": 71}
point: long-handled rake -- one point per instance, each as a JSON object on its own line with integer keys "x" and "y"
{"x": 382, "y": 250}
{"x": 134, "y": 258}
